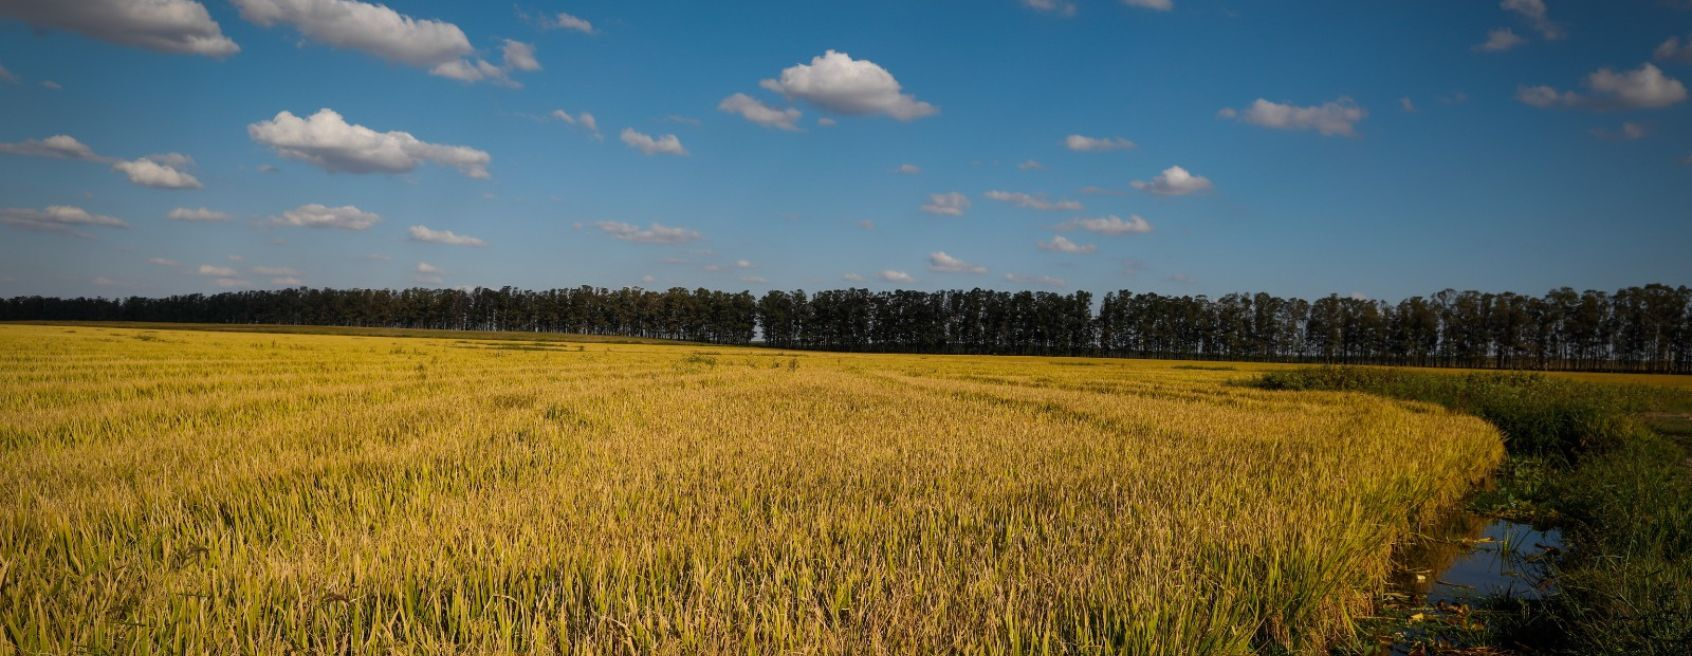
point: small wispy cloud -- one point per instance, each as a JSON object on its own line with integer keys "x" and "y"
{"x": 1500, "y": 40}
{"x": 755, "y": 111}
{"x": 1336, "y": 118}
{"x": 947, "y": 204}
{"x": 58, "y": 218}
{"x": 1085, "y": 144}
{"x": 429, "y": 274}
{"x": 1628, "y": 131}
{"x": 1063, "y": 8}
{"x": 1062, "y": 244}
{"x": 198, "y": 214}
{"x": 655, "y": 233}
{"x": 1109, "y": 225}
{"x": 1033, "y": 202}
{"x": 447, "y": 237}
{"x": 217, "y": 271}
{"x": 314, "y": 215}
{"x": 940, "y": 262}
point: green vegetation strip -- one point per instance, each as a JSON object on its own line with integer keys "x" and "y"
{"x": 1600, "y": 462}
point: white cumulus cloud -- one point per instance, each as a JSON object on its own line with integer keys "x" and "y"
{"x": 327, "y": 140}
{"x": 1337, "y": 118}
{"x": 900, "y": 277}
{"x": 369, "y": 28}
{"x": 1643, "y": 88}
{"x": 314, "y": 215}
{"x": 835, "y": 81}
{"x": 1174, "y": 181}
{"x": 756, "y": 111}
{"x": 162, "y": 171}
{"x": 375, "y": 29}
{"x": 149, "y": 173}
{"x": 176, "y": 26}
{"x": 448, "y": 237}
{"x": 668, "y": 144}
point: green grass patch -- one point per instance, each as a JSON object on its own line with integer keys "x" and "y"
{"x": 1598, "y": 460}
{"x": 1538, "y": 414}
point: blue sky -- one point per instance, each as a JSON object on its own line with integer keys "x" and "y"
{"x": 1377, "y": 148}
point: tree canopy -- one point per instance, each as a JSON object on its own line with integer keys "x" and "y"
{"x": 1647, "y": 328}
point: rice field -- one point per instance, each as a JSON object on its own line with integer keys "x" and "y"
{"x": 223, "y": 492}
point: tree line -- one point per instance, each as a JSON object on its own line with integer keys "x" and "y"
{"x": 1647, "y": 328}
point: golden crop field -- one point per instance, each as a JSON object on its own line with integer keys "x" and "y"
{"x": 220, "y": 492}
